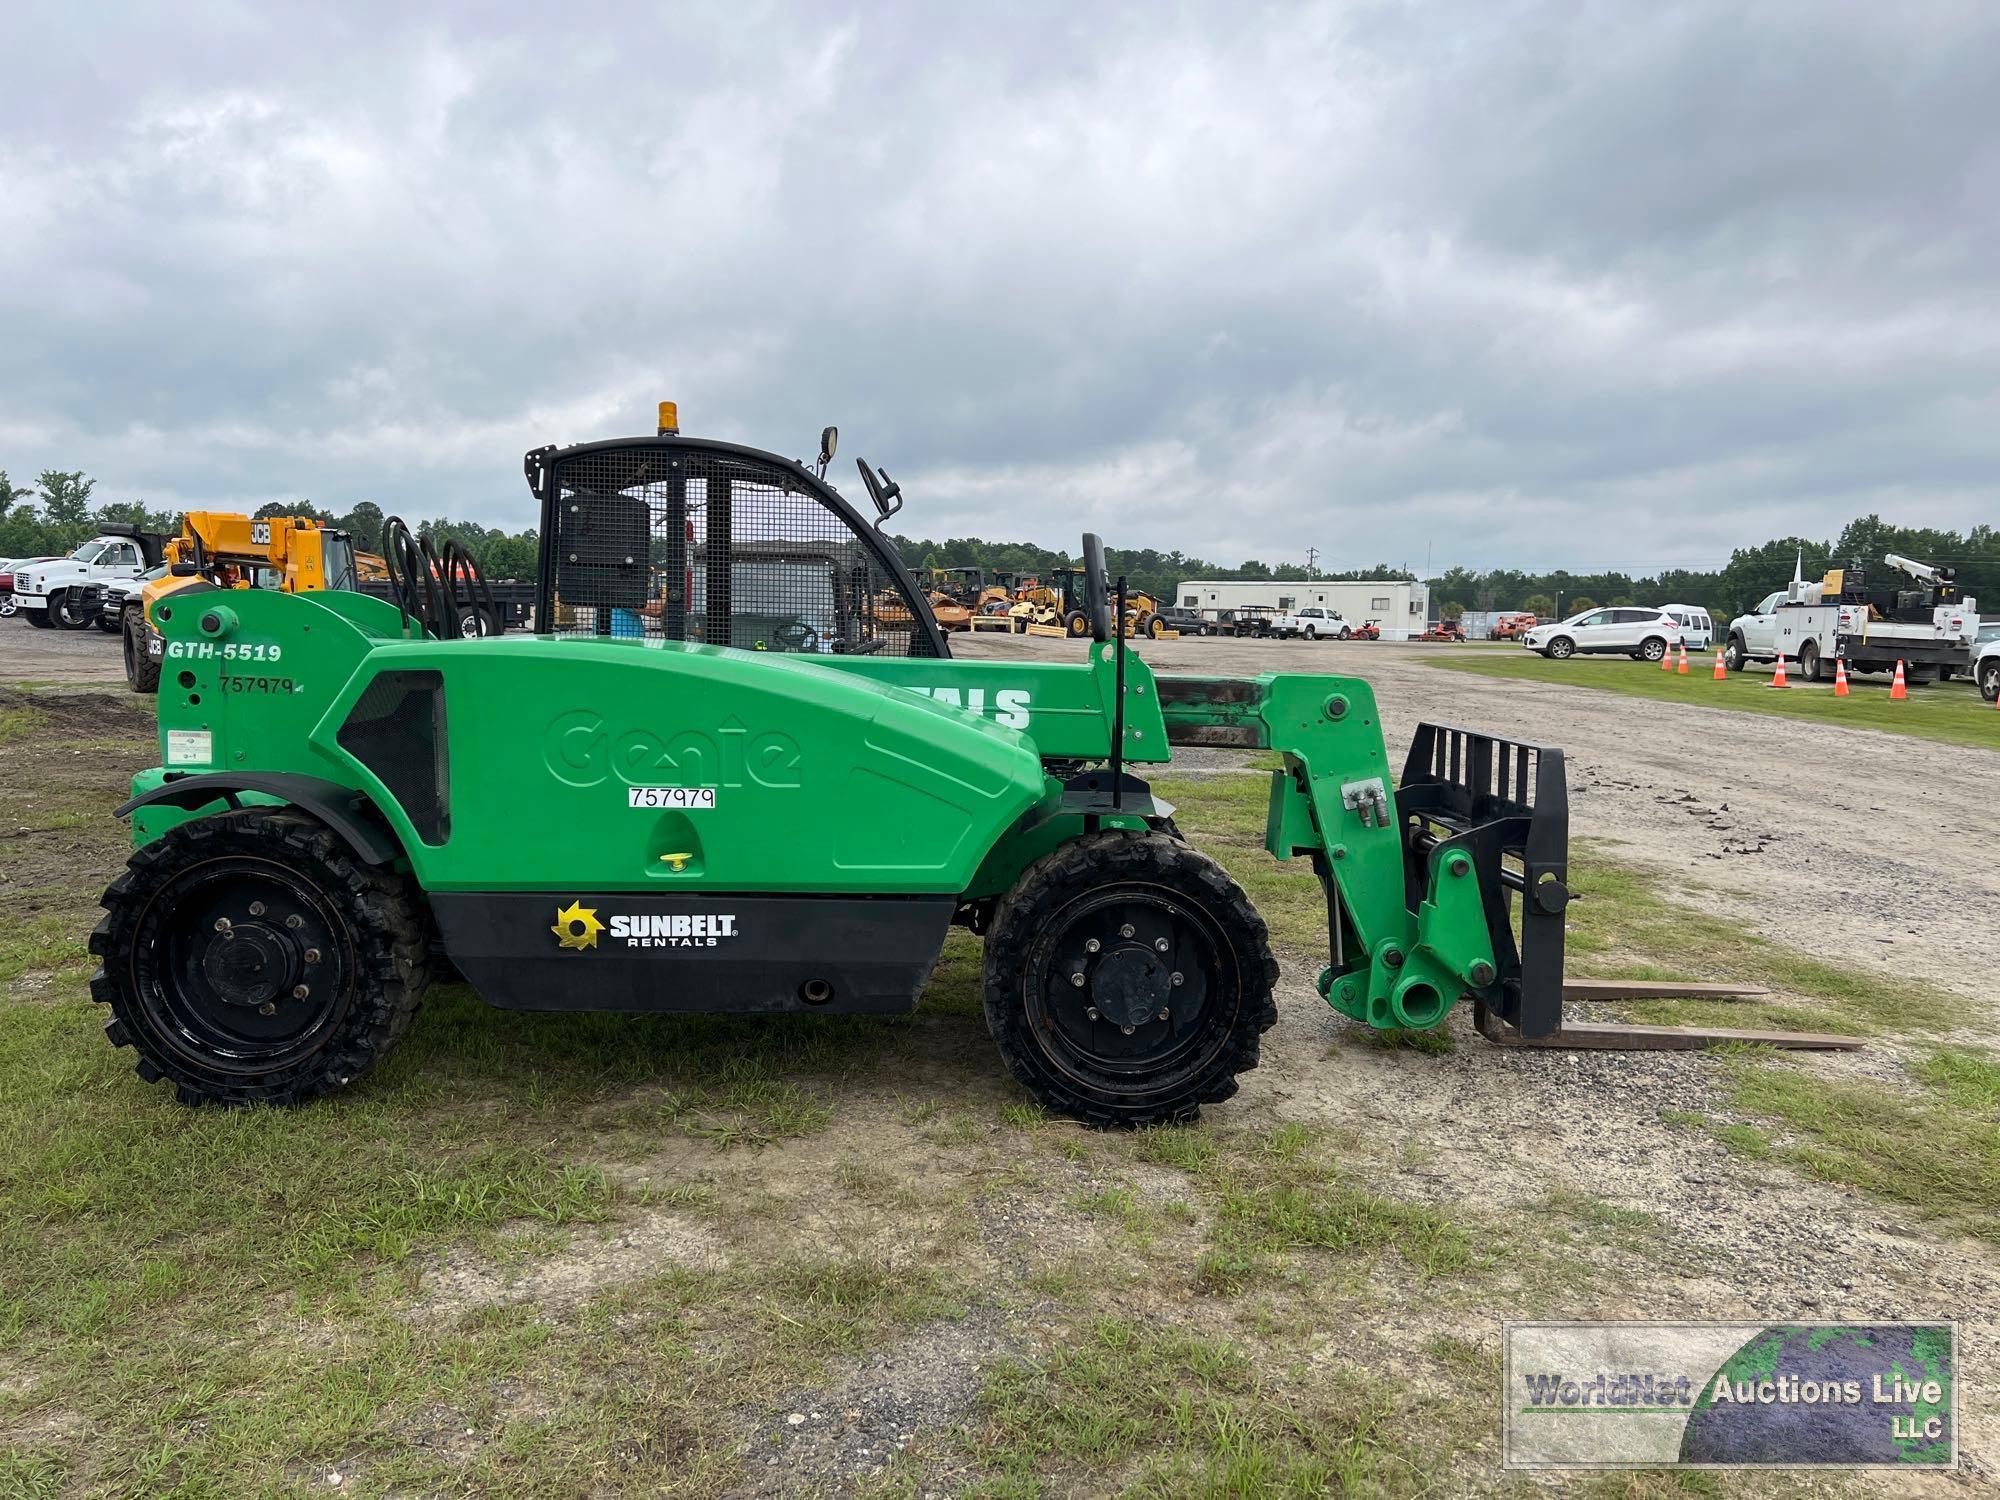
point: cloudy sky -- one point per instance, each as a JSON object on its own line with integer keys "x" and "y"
{"x": 1501, "y": 283}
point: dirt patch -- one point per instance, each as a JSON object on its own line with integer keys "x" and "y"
{"x": 595, "y": 1260}
{"x": 889, "y": 1405}
{"x": 58, "y": 838}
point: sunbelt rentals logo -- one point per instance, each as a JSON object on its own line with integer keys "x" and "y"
{"x": 578, "y": 927}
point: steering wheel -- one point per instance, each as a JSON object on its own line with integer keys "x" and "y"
{"x": 795, "y": 635}
{"x": 1096, "y": 587}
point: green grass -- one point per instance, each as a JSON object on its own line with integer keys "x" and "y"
{"x": 1175, "y": 1413}
{"x": 1948, "y": 712}
{"x": 19, "y": 724}
{"x": 1934, "y": 1147}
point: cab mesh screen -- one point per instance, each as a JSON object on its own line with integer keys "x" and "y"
{"x": 687, "y": 544}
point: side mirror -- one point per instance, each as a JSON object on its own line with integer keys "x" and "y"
{"x": 184, "y": 570}
{"x": 881, "y": 490}
{"x": 829, "y": 440}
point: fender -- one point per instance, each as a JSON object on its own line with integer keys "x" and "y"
{"x": 339, "y": 807}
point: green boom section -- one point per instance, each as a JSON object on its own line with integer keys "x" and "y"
{"x": 610, "y": 764}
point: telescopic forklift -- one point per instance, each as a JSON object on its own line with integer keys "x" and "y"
{"x": 774, "y": 797}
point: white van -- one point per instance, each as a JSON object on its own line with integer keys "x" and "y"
{"x": 1697, "y": 629}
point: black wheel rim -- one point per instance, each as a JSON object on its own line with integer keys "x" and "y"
{"x": 1130, "y": 1020}
{"x": 242, "y": 965}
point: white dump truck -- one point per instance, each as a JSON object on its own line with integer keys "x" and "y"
{"x": 1930, "y": 628}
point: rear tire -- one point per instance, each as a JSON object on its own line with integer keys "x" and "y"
{"x": 1311, "y": 633}
{"x": 1653, "y": 648}
{"x": 1809, "y": 662}
{"x": 142, "y": 672}
{"x": 1154, "y": 1051}
{"x": 213, "y": 932}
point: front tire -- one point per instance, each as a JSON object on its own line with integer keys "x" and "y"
{"x": 1176, "y": 977}
{"x": 39, "y": 618}
{"x": 1562, "y": 648}
{"x": 1346, "y": 634}
{"x": 250, "y": 958}
{"x": 1733, "y": 655}
{"x": 1989, "y": 680}
{"x": 1078, "y": 623}
{"x": 142, "y": 671}
{"x": 67, "y": 610}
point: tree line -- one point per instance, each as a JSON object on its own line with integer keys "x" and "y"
{"x": 1750, "y": 574}
{"x": 57, "y": 513}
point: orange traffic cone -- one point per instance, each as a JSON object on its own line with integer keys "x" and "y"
{"x": 1778, "y": 680}
{"x": 1720, "y": 671}
{"x": 1898, "y": 688}
{"x": 1684, "y": 658}
{"x": 1667, "y": 659}
{"x": 1840, "y": 677}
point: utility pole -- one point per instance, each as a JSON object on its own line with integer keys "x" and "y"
{"x": 1312, "y": 562}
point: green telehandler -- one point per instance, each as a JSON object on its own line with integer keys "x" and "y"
{"x": 737, "y": 769}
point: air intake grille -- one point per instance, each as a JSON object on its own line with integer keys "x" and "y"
{"x": 397, "y": 731}
{"x": 691, "y": 543}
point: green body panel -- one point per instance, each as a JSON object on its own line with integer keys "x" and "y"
{"x": 1064, "y": 706}
{"x": 831, "y": 775}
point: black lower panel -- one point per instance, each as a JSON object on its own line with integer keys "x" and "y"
{"x": 689, "y": 952}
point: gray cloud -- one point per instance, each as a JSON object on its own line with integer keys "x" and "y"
{"x": 1511, "y": 282}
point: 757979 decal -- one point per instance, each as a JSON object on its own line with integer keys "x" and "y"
{"x": 670, "y": 796}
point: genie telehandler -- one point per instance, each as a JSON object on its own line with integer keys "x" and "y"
{"x": 738, "y": 770}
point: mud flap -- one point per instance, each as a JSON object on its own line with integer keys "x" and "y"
{"x": 1505, "y": 803}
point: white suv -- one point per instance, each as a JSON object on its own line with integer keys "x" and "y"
{"x": 1611, "y": 631}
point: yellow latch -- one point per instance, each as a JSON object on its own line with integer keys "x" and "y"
{"x": 679, "y": 862}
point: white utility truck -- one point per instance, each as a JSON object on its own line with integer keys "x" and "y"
{"x": 1314, "y": 624}
{"x": 1930, "y": 629}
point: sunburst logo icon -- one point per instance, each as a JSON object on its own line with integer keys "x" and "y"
{"x": 577, "y": 926}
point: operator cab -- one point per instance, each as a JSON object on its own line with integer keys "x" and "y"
{"x": 674, "y": 538}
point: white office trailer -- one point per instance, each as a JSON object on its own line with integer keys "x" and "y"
{"x": 1402, "y": 609}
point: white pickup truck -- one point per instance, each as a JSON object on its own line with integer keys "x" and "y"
{"x": 64, "y": 592}
{"x": 1313, "y": 624}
